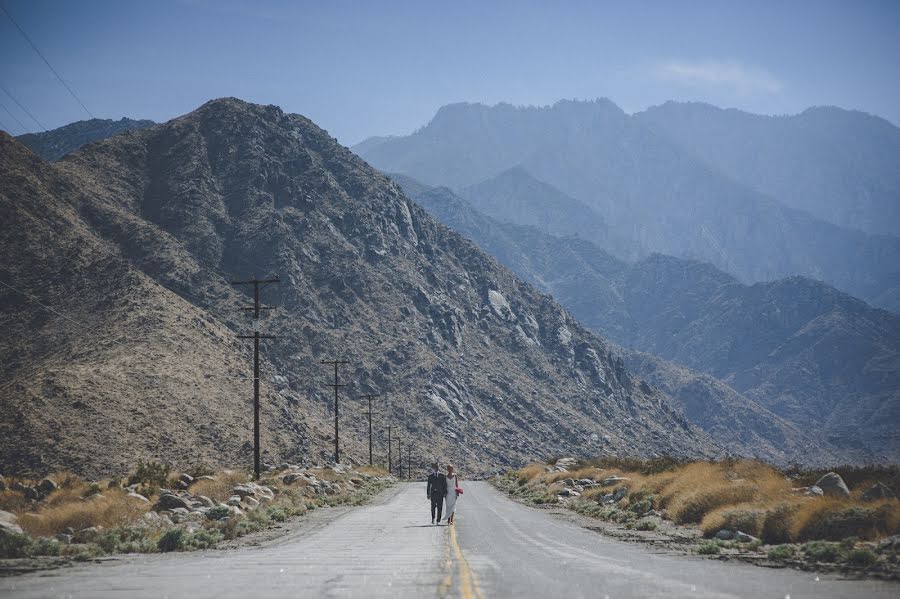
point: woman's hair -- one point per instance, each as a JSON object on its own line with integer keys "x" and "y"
{"x": 450, "y": 468}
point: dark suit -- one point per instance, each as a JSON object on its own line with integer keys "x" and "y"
{"x": 436, "y": 491}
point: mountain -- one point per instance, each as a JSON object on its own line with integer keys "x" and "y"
{"x": 649, "y": 189}
{"x": 752, "y": 365}
{"x": 842, "y": 166}
{"x": 517, "y": 197}
{"x": 125, "y": 321}
{"x": 56, "y": 143}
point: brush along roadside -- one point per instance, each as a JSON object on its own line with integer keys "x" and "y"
{"x": 739, "y": 509}
{"x": 151, "y": 510}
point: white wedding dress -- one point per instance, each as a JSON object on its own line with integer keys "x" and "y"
{"x": 450, "y": 499}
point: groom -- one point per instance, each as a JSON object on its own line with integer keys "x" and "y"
{"x": 436, "y": 491}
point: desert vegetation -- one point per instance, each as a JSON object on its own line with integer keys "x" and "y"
{"x": 848, "y": 517}
{"x": 154, "y": 510}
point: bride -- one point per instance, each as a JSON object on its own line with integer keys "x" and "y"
{"x": 452, "y": 485}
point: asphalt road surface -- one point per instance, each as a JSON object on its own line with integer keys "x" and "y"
{"x": 497, "y": 548}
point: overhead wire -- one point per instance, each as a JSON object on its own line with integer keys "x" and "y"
{"x": 22, "y": 108}
{"x": 46, "y": 62}
{"x": 5, "y": 109}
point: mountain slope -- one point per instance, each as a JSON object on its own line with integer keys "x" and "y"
{"x": 842, "y": 166}
{"x": 53, "y": 145}
{"x": 805, "y": 353}
{"x": 648, "y": 188}
{"x": 473, "y": 365}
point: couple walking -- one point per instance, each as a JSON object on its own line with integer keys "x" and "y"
{"x": 443, "y": 487}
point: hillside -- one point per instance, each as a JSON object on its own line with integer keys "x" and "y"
{"x": 840, "y": 165}
{"x": 137, "y": 237}
{"x": 53, "y": 145}
{"x": 652, "y": 191}
{"x": 789, "y": 356}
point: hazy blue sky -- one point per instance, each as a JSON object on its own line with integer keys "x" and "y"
{"x": 367, "y": 68}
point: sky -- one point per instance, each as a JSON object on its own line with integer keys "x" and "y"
{"x": 373, "y": 68}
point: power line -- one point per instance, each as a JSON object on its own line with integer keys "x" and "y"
{"x": 3, "y": 106}
{"x": 46, "y": 62}
{"x": 5, "y": 128}
{"x": 25, "y": 110}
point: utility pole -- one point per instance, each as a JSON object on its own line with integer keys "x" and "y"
{"x": 256, "y": 337}
{"x": 336, "y": 363}
{"x": 408, "y": 462}
{"x": 370, "y": 397}
{"x": 390, "y": 449}
{"x": 399, "y": 460}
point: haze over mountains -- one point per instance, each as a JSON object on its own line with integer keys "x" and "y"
{"x": 772, "y": 368}
{"x": 663, "y": 194}
{"x": 125, "y": 320}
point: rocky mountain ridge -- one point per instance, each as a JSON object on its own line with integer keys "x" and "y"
{"x": 136, "y": 238}
{"x": 53, "y": 145}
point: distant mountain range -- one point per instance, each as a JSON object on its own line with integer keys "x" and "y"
{"x": 778, "y": 358}
{"x": 53, "y": 145}
{"x": 660, "y": 188}
{"x": 123, "y": 319}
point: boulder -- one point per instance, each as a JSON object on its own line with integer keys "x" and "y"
{"x": 291, "y": 477}
{"x": 138, "y": 497}
{"x": 2, "y": 483}
{"x": 612, "y": 480}
{"x": 190, "y": 526}
{"x": 742, "y": 537}
{"x": 890, "y": 544}
{"x": 878, "y": 491}
{"x": 234, "y": 500}
{"x": 186, "y": 479}
{"x": 724, "y": 535}
{"x": 31, "y": 493}
{"x": 833, "y": 485}
{"x": 587, "y": 482}
{"x": 565, "y": 464}
{"x": 243, "y": 490}
{"x": 46, "y": 486}
{"x": 9, "y": 522}
{"x": 64, "y": 538}
{"x": 87, "y": 535}
{"x": 204, "y": 477}
{"x": 615, "y": 496}
{"x": 205, "y": 501}
{"x": 813, "y": 491}
{"x": 170, "y": 501}
{"x": 250, "y": 503}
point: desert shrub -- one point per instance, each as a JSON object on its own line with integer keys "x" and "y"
{"x": 123, "y": 538}
{"x": 112, "y": 510}
{"x": 528, "y": 473}
{"x": 220, "y": 488}
{"x": 152, "y": 474}
{"x": 782, "y": 552}
{"x": 200, "y": 469}
{"x": 645, "y": 467}
{"x": 748, "y": 518}
{"x": 45, "y": 546}
{"x": 820, "y": 551}
{"x": 202, "y": 539}
{"x": 833, "y": 520}
{"x": 13, "y": 544}
{"x": 857, "y": 478}
{"x": 278, "y": 514}
{"x": 861, "y": 558}
{"x": 708, "y": 548}
{"x": 646, "y": 525}
{"x": 172, "y": 540}
{"x": 777, "y": 523}
{"x": 754, "y": 545}
{"x": 641, "y": 506}
{"x": 92, "y": 489}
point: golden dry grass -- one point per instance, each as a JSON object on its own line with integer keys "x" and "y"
{"x": 372, "y": 470}
{"x": 743, "y": 495}
{"x": 220, "y": 488}
{"x": 114, "y": 508}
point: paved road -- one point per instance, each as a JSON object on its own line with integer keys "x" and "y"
{"x": 497, "y": 549}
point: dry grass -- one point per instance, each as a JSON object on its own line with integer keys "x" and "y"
{"x": 113, "y": 509}
{"x": 220, "y": 488}
{"x": 372, "y": 470}
{"x": 744, "y": 495}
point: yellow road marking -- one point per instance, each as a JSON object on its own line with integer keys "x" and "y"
{"x": 468, "y": 588}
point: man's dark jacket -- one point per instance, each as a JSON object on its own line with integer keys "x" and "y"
{"x": 437, "y": 485}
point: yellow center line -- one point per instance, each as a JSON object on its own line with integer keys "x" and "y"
{"x": 468, "y": 588}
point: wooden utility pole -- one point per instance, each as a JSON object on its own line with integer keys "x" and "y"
{"x": 399, "y": 459}
{"x": 390, "y": 449}
{"x": 408, "y": 462}
{"x": 337, "y": 449}
{"x": 370, "y": 397}
{"x": 256, "y": 337}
